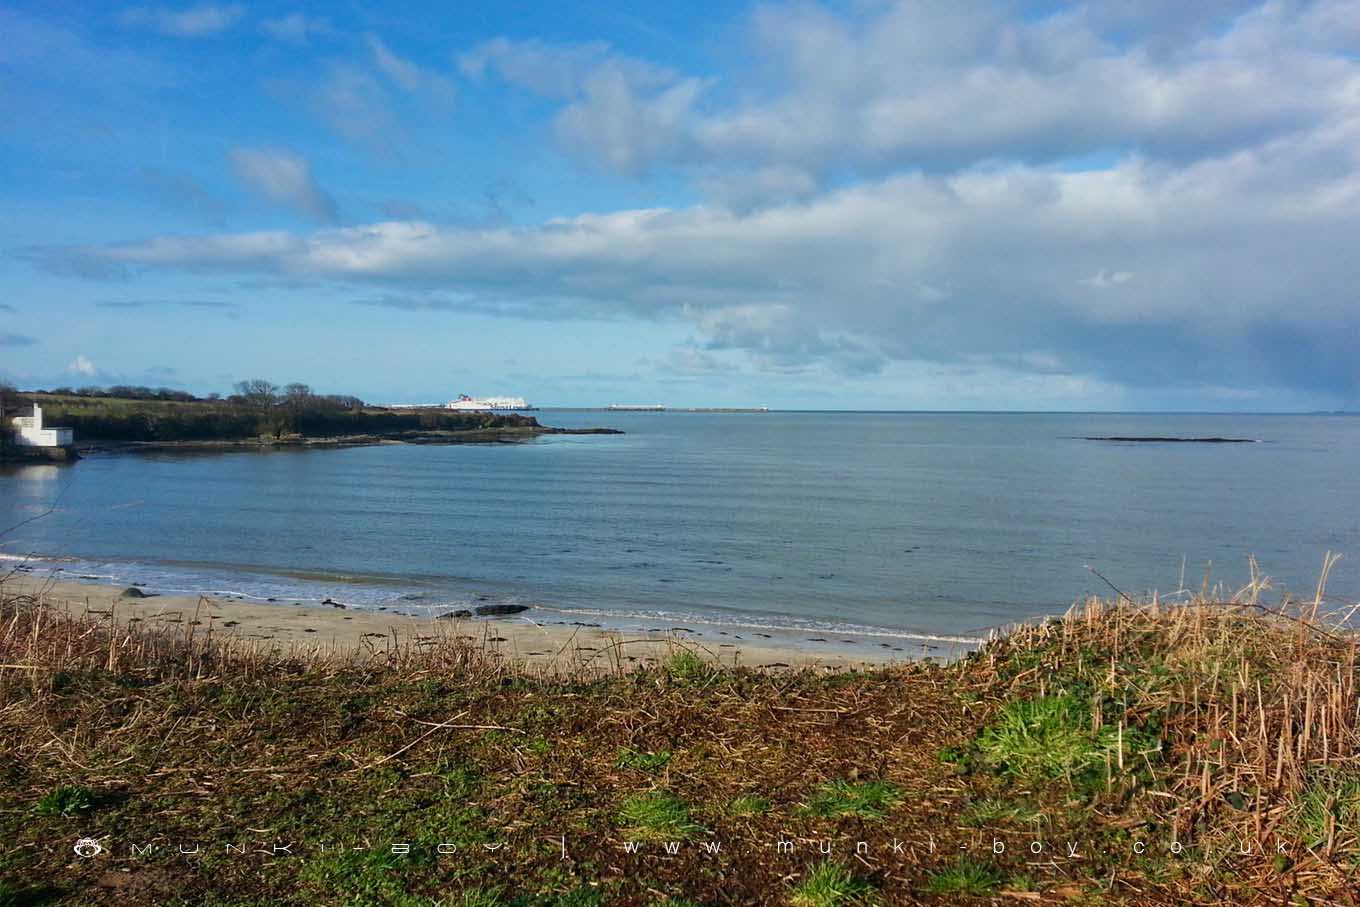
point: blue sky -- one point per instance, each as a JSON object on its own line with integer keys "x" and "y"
{"x": 916, "y": 205}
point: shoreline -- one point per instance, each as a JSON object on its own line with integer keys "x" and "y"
{"x": 512, "y": 435}
{"x": 537, "y": 638}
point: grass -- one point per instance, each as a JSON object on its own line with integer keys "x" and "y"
{"x": 1233, "y": 720}
{"x": 747, "y": 806}
{"x": 363, "y": 877}
{"x": 1327, "y": 811}
{"x": 644, "y": 762}
{"x": 583, "y": 896}
{"x": 832, "y": 885}
{"x": 688, "y": 667}
{"x": 1047, "y": 738}
{"x": 475, "y": 897}
{"x": 996, "y": 811}
{"x": 865, "y": 799}
{"x": 656, "y": 816}
{"x": 965, "y": 877}
{"x": 67, "y": 800}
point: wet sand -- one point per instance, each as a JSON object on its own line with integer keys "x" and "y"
{"x": 535, "y": 637}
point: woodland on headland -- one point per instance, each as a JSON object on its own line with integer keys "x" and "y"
{"x": 256, "y": 410}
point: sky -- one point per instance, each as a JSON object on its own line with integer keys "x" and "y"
{"x": 1117, "y": 205}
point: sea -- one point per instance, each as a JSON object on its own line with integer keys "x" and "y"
{"x": 941, "y": 526}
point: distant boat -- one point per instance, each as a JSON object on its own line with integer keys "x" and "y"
{"x": 636, "y": 407}
{"x": 467, "y": 404}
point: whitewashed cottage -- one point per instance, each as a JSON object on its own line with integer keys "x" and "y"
{"x": 30, "y": 432}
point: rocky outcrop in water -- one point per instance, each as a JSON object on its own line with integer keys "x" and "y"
{"x": 1147, "y": 439}
{"x": 499, "y": 610}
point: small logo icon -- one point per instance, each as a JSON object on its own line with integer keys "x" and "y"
{"x": 88, "y": 847}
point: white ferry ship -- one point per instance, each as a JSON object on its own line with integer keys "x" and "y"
{"x": 467, "y": 404}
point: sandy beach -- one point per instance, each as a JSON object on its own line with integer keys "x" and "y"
{"x": 537, "y": 638}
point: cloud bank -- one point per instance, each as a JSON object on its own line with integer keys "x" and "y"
{"x": 937, "y": 84}
{"x": 1144, "y": 195}
{"x": 1222, "y": 270}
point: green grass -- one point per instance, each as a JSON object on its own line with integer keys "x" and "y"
{"x": 584, "y": 896}
{"x": 747, "y": 806}
{"x": 965, "y": 877}
{"x": 687, "y": 667}
{"x": 367, "y": 878}
{"x": 474, "y": 897}
{"x": 832, "y": 885}
{"x": 991, "y": 810}
{"x": 66, "y": 801}
{"x": 1329, "y": 807}
{"x": 866, "y": 799}
{"x": 656, "y": 816}
{"x": 1050, "y": 738}
{"x": 644, "y": 762}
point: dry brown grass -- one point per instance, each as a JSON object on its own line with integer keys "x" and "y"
{"x": 1255, "y": 710}
{"x": 1236, "y": 720}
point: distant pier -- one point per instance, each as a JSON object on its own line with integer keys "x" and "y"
{"x": 661, "y": 408}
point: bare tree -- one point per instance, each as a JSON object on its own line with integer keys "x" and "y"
{"x": 298, "y": 393}
{"x": 258, "y": 392}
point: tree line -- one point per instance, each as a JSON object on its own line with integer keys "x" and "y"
{"x": 255, "y": 407}
{"x": 254, "y": 392}
{"x": 297, "y": 397}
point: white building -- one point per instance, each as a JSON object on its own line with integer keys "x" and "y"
{"x": 29, "y": 432}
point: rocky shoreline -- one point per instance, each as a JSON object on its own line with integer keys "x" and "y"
{"x": 12, "y": 453}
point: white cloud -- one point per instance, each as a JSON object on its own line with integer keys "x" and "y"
{"x": 81, "y": 366}
{"x": 939, "y": 85}
{"x": 408, "y": 75}
{"x": 745, "y": 188}
{"x": 351, "y": 101}
{"x": 626, "y": 126}
{"x": 285, "y": 179}
{"x": 295, "y": 28}
{"x": 199, "y": 21}
{"x": 624, "y": 111}
{"x": 1102, "y": 279}
{"x": 369, "y": 100}
{"x": 915, "y": 267}
{"x": 551, "y": 70}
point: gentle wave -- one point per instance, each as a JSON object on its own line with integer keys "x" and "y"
{"x": 425, "y": 602}
{"x": 792, "y": 625}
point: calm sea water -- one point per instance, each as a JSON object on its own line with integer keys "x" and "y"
{"x": 931, "y": 524}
